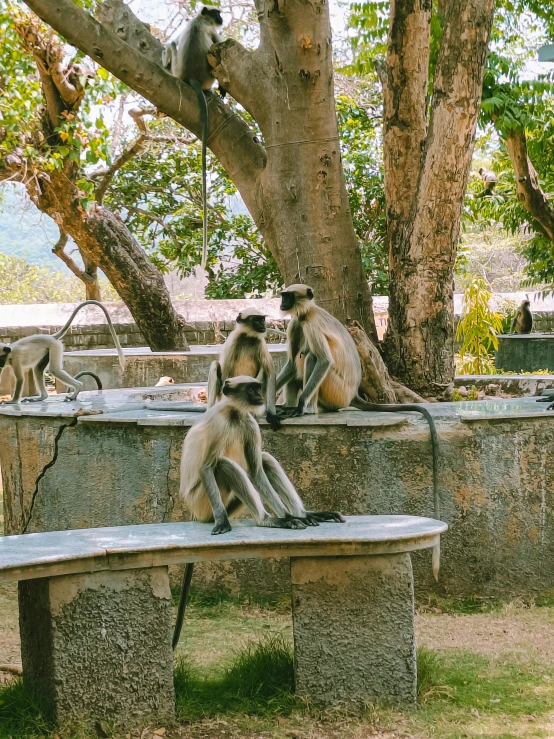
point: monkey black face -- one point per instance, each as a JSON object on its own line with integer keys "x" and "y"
{"x": 249, "y": 392}
{"x": 255, "y": 322}
{"x": 4, "y": 355}
{"x": 290, "y": 297}
{"x": 213, "y": 14}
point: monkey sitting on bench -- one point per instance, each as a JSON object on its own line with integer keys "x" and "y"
{"x": 223, "y": 467}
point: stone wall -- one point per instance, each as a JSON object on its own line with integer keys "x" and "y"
{"x": 207, "y": 321}
{"x": 496, "y": 481}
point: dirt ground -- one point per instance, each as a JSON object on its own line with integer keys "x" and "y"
{"x": 521, "y": 638}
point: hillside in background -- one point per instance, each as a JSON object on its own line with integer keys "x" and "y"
{"x": 26, "y": 233}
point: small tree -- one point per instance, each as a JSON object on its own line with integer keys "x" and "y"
{"x": 478, "y": 330}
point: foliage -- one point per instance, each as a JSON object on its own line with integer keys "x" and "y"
{"x": 82, "y": 139}
{"x": 477, "y": 330}
{"x": 21, "y": 282}
{"x": 259, "y": 680}
{"x": 363, "y": 171}
{"x": 514, "y": 101}
{"x": 158, "y": 194}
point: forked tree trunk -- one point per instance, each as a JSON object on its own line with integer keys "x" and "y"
{"x": 426, "y": 170}
{"x": 102, "y": 238}
{"x": 105, "y": 240}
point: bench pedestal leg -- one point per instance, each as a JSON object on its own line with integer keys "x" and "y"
{"x": 98, "y": 646}
{"x": 353, "y": 621}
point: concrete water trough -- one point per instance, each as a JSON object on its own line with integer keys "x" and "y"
{"x": 143, "y": 367}
{"x": 525, "y": 352}
{"x": 108, "y": 461}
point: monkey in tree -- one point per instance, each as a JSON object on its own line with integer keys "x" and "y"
{"x": 489, "y": 179}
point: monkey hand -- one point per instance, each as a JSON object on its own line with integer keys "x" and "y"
{"x": 273, "y": 420}
{"x": 221, "y": 527}
{"x": 285, "y": 411}
{"x": 322, "y": 516}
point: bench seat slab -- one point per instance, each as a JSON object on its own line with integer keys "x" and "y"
{"x": 353, "y": 621}
{"x": 97, "y": 646}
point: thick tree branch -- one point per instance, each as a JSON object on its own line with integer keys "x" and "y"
{"x": 228, "y": 137}
{"x": 243, "y": 74}
{"x": 529, "y": 191}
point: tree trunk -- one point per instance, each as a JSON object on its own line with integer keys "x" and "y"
{"x": 529, "y": 191}
{"x": 294, "y": 187}
{"x": 300, "y": 204}
{"x": 88, "y": 276}
{"x": 104, "y": 240}
{"x": 426, "y": 172}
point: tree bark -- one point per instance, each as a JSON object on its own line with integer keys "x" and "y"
{"x": 426, "y": 172}
{"x": 294, "y": 187}
{"x": 529, "y": 191}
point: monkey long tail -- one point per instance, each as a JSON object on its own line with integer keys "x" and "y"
{"x": 185, "y": 589}
{"x": 62, "y": 332}
{"x": 197, "y": 87}
{"x": 398, "y": 408}
{"x": 94, "y": 377}
{"x": 175, "y": 405}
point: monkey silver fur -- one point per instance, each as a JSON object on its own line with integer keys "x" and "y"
{"x": 187, "y": 59}
{"x": 323, "y": 371}
{"x": 40, "y": 351}
{"x": 223, "y": 467}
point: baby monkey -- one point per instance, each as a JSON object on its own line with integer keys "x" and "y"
{"x": 224, "y": 469}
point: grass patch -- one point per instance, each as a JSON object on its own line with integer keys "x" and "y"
{"x": 259, "y": 681}
{"x": 20, "y": 714}
{"x": 464, "y": 680}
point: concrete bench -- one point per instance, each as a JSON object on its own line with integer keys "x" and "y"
{"x": 96, "y": 618}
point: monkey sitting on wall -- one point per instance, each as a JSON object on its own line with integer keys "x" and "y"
{"x": 244, "y": 352}
{"x": 39, "y": 351}
{"x": 323, "y": 369}
{"x": 523, "y": 319}
{"x": 223, "y": 467}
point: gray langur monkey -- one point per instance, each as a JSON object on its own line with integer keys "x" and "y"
{"x": 323, "y": 369}
{"x": 244, "y": 352}
{"x": 523, "y": 319}
{"x": 223, "y": 467}
{"x": 187, "y": 59}
{"x": 40, "y": 351}
{"x": 223, "y": 470}
{"x": 489, "y": 179}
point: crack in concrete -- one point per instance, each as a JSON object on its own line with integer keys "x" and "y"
{"x": 45, "y": 469}
{"x": 170, "y": 502}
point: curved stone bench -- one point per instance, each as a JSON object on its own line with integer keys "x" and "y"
{"x": 96, "y": 621}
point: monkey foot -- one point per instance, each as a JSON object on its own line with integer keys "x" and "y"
{"x": 284, "y": 523}
{"x": 322, "y": 516}
{"x": 221, "y": 528}
{"x": 34, "y": 399}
